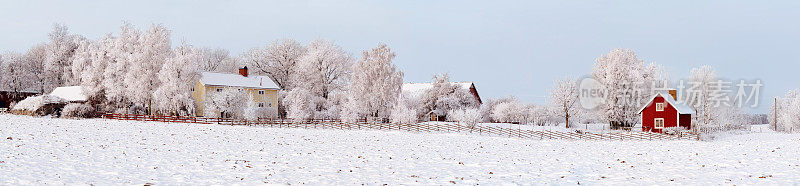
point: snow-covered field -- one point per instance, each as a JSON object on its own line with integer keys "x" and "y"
{"x": 61, "y": 151}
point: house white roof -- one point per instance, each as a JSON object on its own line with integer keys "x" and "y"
{"x": 682, "y": 108}
{"x": 416, "y": 89}
{"x": 71, "y": 94}
{"x": 236, "y": 80}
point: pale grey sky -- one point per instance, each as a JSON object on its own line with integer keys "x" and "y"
{"x": 507, "y": 47}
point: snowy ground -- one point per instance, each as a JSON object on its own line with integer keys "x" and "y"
{"x": 61, "y": 151}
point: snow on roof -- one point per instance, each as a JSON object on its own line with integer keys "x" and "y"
{"x": 33, "y": 103}
{"x": 73, "y": 93}
{"x": 417, "y": 89}
{"x": 237, "y": 80}
{"x": 682, "y": 108}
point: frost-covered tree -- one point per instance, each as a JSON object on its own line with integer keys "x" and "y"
{"x": 788, "y": 112}
{"x": 95, "y": 60}
{"x": 628, "y": 82}
{"x": 403, "y": 114}
{"x": 176, "y": 77}
{"x": 469, "y": 116}
{"x": 563, "y": 99}
{"x": 254, "y": 112}
{"x": 489, "y": 105}
{"x": 537, "y": 115}
{"x": 230, "y": 102}
{"x": 322, "y": 71}
{"x": 121, "y": 52}
{"x": 141, "y": 77}
{"x": 445, "y": 96}
{"x": 217, "y": 60}
{"x": 707, "y": 97}
{"x": 406, "y": 110}
{"x": 374, "y": 86}
{"x": 700, "y": 96}
{"x": 301, "y": 104}
{"x": 277, "y": 60}
{"x": 58, "y": 58}
{"x": 82, "y": 60}
{"x": 510, "y": 111}
{"x": 333, "y": 105}
{"x": 251, "y": 111}
{"x": 120, "y": 72}
{"x": 16, "y": 73}
{"x": 36, "y": 56}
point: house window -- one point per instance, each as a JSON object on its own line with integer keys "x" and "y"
{"x": 270, "y": 105}
{"x": 191, "y": 89}
{"x": 659, "y": 106}
{"x": 261, "y": 92}
{"x": 260, "y": 104}
{"x": 219, "y": 89}
{"x": 659, "y": 123}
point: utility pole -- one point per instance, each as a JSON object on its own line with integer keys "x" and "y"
{"x": 775, "y": 113}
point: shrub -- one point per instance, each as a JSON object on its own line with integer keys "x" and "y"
{"x": 674, "y": 130}
{"x": 403, "y": 114}
{"x": 468, "y": 117}
{"x": 78, "y": 110}
{"x": 252, "y": 112}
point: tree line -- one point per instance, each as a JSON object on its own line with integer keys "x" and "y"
{"x": 140, "y": 71}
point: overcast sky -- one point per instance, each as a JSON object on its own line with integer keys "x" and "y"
{"x": 506, "y": 47}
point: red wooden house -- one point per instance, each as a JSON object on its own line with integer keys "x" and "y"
{"x": 662, "y": 112}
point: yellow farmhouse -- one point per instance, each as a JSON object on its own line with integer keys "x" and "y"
{"x": 261, "y": 88}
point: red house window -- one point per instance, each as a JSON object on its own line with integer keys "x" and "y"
{"x": 659, "y": 123}
{"x": 659, "y": 106}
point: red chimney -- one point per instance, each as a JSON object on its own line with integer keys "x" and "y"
{"x": 243, "y": 71}
{"x": 672, "y": 92}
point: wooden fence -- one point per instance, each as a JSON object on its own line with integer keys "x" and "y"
{"x": 422, "y": 127}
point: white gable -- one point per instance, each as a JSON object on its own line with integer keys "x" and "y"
{"x": 236, "y": 80}
{"x": 682, "y": 108}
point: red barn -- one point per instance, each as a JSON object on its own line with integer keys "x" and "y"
{"x": 662, "y": 111}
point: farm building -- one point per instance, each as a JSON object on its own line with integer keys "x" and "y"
{"x": 663, "y": 111}
{"x": 51, "y": 103}
{"x": 39, "y": 105}
{"x": 416, "y": 90}
{"x": 262, "y": 89}
{"x": 7, "y": 97}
